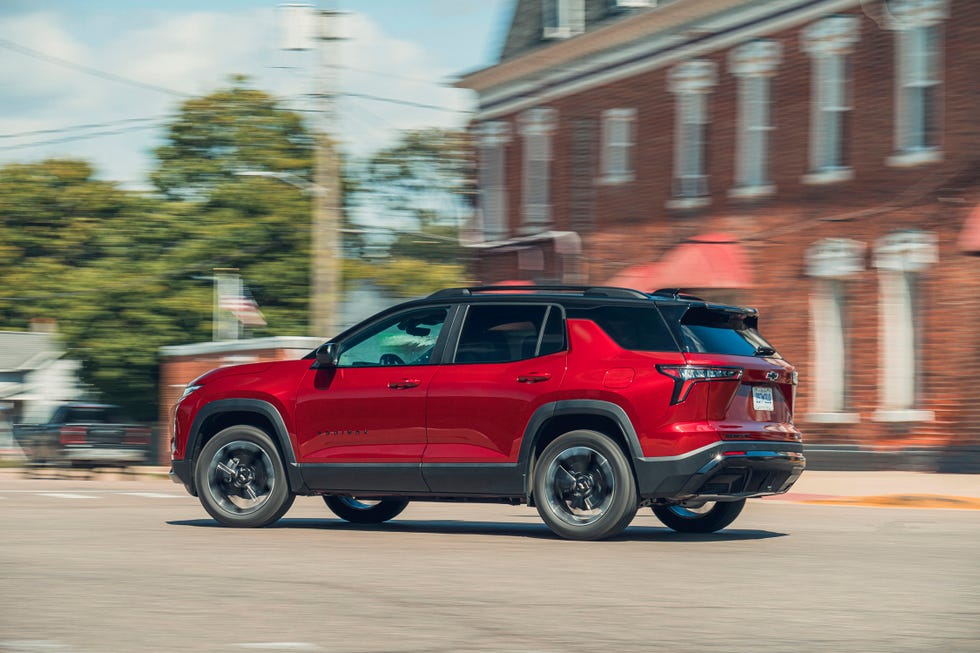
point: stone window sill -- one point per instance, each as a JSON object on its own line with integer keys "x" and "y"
{"x": 916, "y": 158}
{"x": 616, "y": 179}
{"x": 688, "y": 203}
{"x": 833, "y": 418}
{"x": 752, "y": 192}
{"x": 907, "y": 415}
{"x": 831, "y": 176}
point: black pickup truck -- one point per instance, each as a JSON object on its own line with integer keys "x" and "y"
{"x": 84, "y": 435}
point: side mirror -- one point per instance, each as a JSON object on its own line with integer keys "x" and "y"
{"x": 328, "y": 354}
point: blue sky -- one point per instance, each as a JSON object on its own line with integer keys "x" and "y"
{"x": 405, "y": 50}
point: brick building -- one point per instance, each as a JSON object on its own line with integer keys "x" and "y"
{"x": 817, "y": 159}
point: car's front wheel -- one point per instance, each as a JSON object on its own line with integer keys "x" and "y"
{"x": 363, "y": 511}
{"x": 241, "y": 480}
{"x": 583, "y": 486}
{"x": 708, "y": 517}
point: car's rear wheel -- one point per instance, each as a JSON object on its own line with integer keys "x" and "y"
{"x": 241, "y": 480}
{"x": 708, "y": 517}
{"x": 365, "y": 511}
{"x": 583, "y": 486}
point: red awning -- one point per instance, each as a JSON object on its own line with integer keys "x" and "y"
{"x": 970, "y": 236}
{"x": 712, "y": 260}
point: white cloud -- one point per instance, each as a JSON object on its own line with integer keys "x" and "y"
{"x": 195, "y": 52}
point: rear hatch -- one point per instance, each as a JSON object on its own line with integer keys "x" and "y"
{"x": 750, "y": 389}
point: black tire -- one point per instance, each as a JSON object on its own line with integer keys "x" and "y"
{"x": 365, "y": 512}
{"x": 708, "y": 519}
{"x": 584, "y": 487}
{"x": 241, "y": 480}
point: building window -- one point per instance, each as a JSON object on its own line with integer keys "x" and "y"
{"x": 618, "y": 126}
{"x": 918, "y": 89}
{"x": 537, "y": 126}
{"x": 829, "y": 42}
{"x": 831, "y": 262}
{"x": 562, "y": 18}
{"x": 754, "y": 64}
{"x": 493, "y": 138}
{"x": 901, "y": 259}
{"x": 691, "y": 82}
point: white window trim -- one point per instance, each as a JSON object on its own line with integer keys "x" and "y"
{"x": 539, "y": 122}
{"x": 897, "y": 257}
{"x": 493, "y": 138}
{"x": 627, "y": 173}
{"x": 691, "y": 80}
{"x": 902, "y": 17}
{"x": 833, "y": 37}
{"x": 827, "y": 261}
{"x": 754, "y": 63}
{"x": 570, "y": 19}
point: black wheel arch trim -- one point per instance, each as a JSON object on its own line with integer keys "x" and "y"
{"x": 259, "y": 407}
{"x": 561, "y": 407}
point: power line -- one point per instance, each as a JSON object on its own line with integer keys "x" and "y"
{"x": 408, "y": 103}
{"x": 383, "y": 74}
{"x": 88, "y": 70}
{"x": 71, "y": 128}
{"x": 79, "y": 137}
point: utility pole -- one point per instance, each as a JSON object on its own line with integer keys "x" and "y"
{"x": 325, "y": 254}
{"x": 227, "y": 283}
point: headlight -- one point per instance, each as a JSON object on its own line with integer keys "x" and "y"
{"x": 191, "y": 387}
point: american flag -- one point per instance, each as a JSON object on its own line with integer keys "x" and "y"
{"x": 243, "y": 307}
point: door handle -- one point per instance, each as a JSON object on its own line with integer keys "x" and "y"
{"x": 534, "y": 377}
{"x": 404, "y": 384}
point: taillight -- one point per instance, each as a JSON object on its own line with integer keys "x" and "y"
{"x": 137, "y": 437}
{"x": 685, "y": 376}
{"x": 73, "y": 434}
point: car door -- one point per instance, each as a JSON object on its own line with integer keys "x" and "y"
{"x": 508, "y": 360}
{"x": 361, "y": 424}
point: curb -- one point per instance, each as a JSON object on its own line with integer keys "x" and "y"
{"x": 922, "y": 501}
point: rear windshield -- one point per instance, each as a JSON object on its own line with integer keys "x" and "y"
{"x": 631, "y": 327}
{"x": 719, "y": 332}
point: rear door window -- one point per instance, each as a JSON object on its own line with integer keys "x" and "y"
{"x": 637, "y": 328}
{"x": 500, "y": 333}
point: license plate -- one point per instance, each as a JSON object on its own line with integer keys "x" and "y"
{"x": 762, "y": 398}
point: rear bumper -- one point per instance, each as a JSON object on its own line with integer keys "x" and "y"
{"x": 86, "y": 454}
{"x": 725, "y": 470}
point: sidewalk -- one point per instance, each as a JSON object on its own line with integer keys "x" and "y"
{"x": 895, "y": 489}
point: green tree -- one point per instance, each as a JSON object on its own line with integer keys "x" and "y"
{"x": 422, "y": 189}
{"x": 215, "y": 137}
{"x": 91, "y": 256}
{"x": 125, "y": 273}
{"x": 423, "y": 185}
{"x": 258, "y": 225}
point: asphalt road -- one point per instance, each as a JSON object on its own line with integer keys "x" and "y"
{"x": 137, "y": 566}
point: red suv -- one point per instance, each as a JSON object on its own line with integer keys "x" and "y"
{"x": 587, "y": 403}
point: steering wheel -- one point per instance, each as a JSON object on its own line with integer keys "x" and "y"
{"x": 391, "y": 359}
